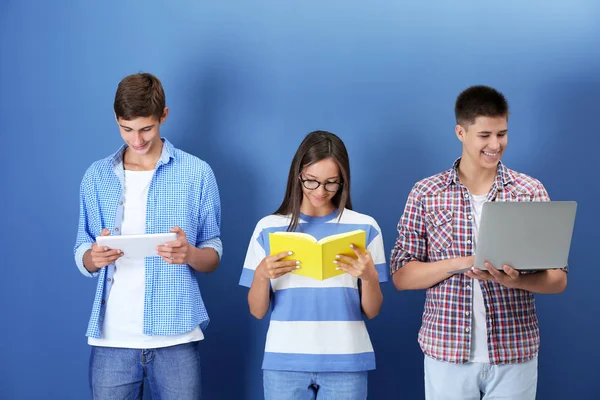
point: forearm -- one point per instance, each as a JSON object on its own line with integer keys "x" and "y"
{"x": 371, "y": 298}
{"x": 259, "y": 297}
{"x": 544, "y": 282}
{"x": 417, "y": 275}
{"x": 203, "y": 260}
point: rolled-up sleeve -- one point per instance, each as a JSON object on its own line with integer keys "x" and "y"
{"x": 214, "y": 243}
{"x": 411, "y": 244}
{"x": 209, "y": 226}
{"x": 84, "y": 239}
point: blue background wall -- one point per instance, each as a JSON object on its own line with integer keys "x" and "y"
{"x": 245, "y": 81}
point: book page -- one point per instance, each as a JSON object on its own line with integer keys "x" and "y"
{"x": 338, "y": 236}
{"x": 340, "y": 244}
{"x": 301, "y": 235}
{"x": 308, "y": 252}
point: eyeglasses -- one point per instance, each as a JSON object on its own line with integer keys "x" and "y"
{"x": 312, "y": 184}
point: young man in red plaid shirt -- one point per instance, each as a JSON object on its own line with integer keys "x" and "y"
{"x": 480, "y": 331}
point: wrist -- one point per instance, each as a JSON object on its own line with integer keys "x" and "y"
{"x": 520, "y": 283}
{"x": 456, "y": 263}
{"x": 91, "y": 269}
{"x": 260, "y": 275}
{"x": 262, "y": 281}
{"x": 460, "y": 263}
{"x": 372, "y": 277}
{"x": 88, "y": 262}
{"x": 189, "y": 254}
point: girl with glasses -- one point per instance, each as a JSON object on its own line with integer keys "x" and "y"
{"x": 317, "y": 345}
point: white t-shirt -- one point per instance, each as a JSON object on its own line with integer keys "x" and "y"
{"x": 479, "y": 345}
{"x": 124, "y": 318}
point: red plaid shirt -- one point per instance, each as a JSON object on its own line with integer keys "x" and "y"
{"x": 437, "y": 225}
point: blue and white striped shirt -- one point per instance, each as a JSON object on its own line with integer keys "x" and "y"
{"x": 316, "y": 326}
{"x": 183, "y": 192}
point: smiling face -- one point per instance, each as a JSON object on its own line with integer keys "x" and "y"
{"x": 142, "y": 134}
{"x": 483, "y": 141}
{"x": 325, "y": 176}
{"x": 321, "y": 159}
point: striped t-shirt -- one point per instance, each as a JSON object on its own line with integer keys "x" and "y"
{"x": 316, "y": 326}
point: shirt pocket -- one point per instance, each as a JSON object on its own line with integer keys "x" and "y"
{"x": 173, "y": 208}
{"x": 439, "y": 229}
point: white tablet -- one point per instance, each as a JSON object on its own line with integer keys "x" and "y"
{"x": 136, "y": 246}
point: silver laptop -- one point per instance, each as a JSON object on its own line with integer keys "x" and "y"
{"x": 528, "y": 236}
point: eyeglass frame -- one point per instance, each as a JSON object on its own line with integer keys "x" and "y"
{"x": 341, "y": 184}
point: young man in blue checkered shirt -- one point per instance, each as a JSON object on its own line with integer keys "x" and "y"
{"x": 148, "y": 315}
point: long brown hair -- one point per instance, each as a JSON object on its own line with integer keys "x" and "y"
{"x": 316, "y": 146}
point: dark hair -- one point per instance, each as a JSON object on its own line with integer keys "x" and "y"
{"x": 316, "y": 146}
{"x": 139, "y": 95}
{"x": 479, "y": 101}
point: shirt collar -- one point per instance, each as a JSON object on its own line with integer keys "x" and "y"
{"x": 165, "y": 156}
{"x": 503, "y": 177}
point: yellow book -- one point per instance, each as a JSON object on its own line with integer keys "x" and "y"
{"x": 316, "y": 257}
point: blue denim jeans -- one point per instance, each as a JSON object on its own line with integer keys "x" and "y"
{"x": 173, "y": 373}
{"x": 291, "y": 385}
{"x": 475, "y": 381}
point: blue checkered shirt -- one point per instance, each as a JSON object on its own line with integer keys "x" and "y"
{"x": 183, "y": 192}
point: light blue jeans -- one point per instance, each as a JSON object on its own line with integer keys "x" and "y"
{"x": 291, "y": 385}
{"x": 475, "y": 381}
{"x": 173, "y": 373}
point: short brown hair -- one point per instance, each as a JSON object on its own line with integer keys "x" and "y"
{"x": 139, "y": 95}
{"x": 479, "y": 101}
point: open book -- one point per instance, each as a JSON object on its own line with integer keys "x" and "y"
{"x": 316, "y": 257}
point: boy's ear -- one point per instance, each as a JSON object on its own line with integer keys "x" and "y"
{"x": 164, "y": 115}
{"x": 460, "y": 132}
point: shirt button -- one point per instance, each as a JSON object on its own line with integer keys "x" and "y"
{"x": 469, "y": 217}
{"x": 103, "y": 302}
{"x": 466, "y": 195}
{"x": 469, "y": 241}
{"x": 467, "y": 329}
{"x": 120, "y": 203}
{"x": 108, "y": 279}
{"x": 116, "y": 229}
{"x": 468, "y": 286}
{"x": 467, "y": 313}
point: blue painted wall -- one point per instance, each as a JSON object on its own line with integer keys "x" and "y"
{"x": 245, "y": 81}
